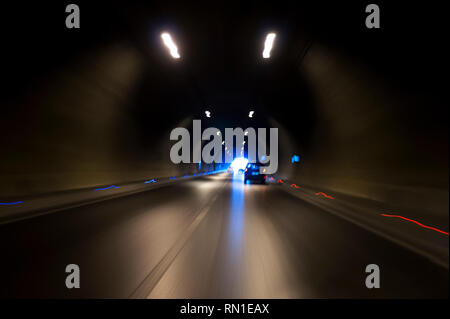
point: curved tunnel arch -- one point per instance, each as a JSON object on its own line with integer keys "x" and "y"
{"x": 360, "y": 126}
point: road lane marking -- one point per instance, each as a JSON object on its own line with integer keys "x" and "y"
{"x": 155, "y": 275}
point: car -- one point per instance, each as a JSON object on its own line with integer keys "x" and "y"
{"x": 252, "y": 173}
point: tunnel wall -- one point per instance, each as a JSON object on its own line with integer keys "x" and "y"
{"x": 73, "y": 128}
{"x": 370, "y": 140}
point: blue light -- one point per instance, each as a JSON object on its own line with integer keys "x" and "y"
{"x": 150, "y": 181}
{"x": 295, "y": 159}
{"x": 239, "y": 163}
{"x": 102, "y": 189}
{"x": 13, "y": 203}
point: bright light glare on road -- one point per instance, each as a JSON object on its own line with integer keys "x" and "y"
{"x": 173, "y": 49}
{"x": 268, "y": 44}
{"x": 239, "y": 163}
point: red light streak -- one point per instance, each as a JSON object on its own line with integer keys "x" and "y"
{"x": 416, "y": 222}
{"x": 325, "y": 195}
{"x": 280, "y": 181}
{"x": 294, "y": 185}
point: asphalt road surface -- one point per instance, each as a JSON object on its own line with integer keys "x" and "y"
{"x": 210, "y": 237}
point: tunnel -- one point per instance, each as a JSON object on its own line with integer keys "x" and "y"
{"x": 362, "y": 134}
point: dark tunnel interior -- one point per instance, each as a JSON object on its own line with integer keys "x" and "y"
{"x": 97, "y": 105}
{"x": 364, "y": 110}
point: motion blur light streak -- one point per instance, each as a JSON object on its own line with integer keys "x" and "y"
{"x": 13, "y": 203}
{"x": 150, "y": 181}
{"x": 324, "y": 195}
{"x": 295, "y": 185}
{"x": 268, "y": 44}
{"x": 173, "y": 49}
{"x": 236, "y": 217}
{"x": 416, "y": 222}
{"x": 102, "y": 189}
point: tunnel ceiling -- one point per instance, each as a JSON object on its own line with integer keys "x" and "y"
{"x": 221, "y": 42}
